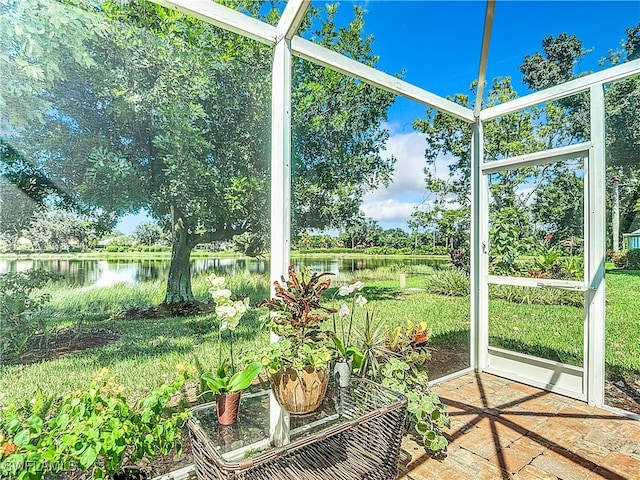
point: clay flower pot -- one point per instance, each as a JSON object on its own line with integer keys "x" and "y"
{"x": 227, "y": 406}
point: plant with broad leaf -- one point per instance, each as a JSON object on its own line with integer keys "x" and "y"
{"x": 229, "y": 312}
{"x": 427, "y": 413}
{"x": 409, "y": 342}
{"x": 342, "y": 335}
{"x": 96, "y": 430}
{"x": 297, "y": 316}
{"x": 397, "y": 359}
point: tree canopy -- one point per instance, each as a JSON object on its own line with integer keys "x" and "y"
{"x": 541, "y": 200}
{"x": 140, "y": 107}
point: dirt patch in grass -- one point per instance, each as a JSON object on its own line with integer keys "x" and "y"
{"x": 146, "y": 312}
{"x": 64, "y": 342}
{"x": 446, "y": 360}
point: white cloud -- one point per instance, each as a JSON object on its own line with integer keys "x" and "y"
{"x": 408, "y": 176}
{"x": 389, "y": 210}
{"x": 392, "y": 206}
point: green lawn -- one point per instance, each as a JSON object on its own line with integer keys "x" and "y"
{"x": 148, "y": 350}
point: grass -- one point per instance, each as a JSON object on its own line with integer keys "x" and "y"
{"x": 148, "y": 351}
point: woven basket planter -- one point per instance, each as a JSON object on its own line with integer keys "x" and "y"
{"x": 299, "y": 392}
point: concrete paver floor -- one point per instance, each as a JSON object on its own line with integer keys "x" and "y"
{"x": 504, "y": 430}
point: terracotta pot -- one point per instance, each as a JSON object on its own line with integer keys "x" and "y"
{"x": 300, "y": 393}
{"x": 227, "y": 405}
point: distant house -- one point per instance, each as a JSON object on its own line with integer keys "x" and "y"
{"x": 631, "y": 240}
{"x": 103, "y": 243}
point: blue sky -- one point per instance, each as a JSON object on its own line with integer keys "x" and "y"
{"x": 437, "y": 43}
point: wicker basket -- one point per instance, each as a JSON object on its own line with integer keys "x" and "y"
{"x": 299, "y": 392}
{"x": 355, "y": 434}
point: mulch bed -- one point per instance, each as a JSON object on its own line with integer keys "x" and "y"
{"x": 64, "y": 342}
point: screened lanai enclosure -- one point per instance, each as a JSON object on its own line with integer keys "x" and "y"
{"x": 144, "y": 144}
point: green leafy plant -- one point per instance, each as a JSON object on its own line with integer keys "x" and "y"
{"x": 20, "y": 306}
{"x": 296, "y": 316}
{"x": 222, "y": 382}
{"x": 633, "y": 259}
{"x": 286, "y": 353}
{"x": 226, "y": 379}
{"x": 96, "y": 430}
{"x": 342, "y": 333}
{"x": 505, "y": 241}
{"x": 546, "y": 260}
{"x": 371, "y": 341}
{"x": 573, "y": 267}
{"x": 428, "y": 414}
{"x": 451, "y": 282}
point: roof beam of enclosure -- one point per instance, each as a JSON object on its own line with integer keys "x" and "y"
{"x": 564, "y": 90}
{"x": 484, "y": 55}
{"x": 340, "y": 63}
{"x": 578, "y": 150}
{"x": 291, "y": 18}
{"x": 224, "y": 17}
{"x": 242, "y": 24}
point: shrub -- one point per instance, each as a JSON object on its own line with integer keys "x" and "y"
{"x": 97, "y": 431}
{"x": 619, "y": 259}
{"x": 450, "y": 282}
{"x": 112, "y": 248}
{"x": 461, "y": 259}
{"x": 19, "y": 309}
{"x": 633, "y": 259}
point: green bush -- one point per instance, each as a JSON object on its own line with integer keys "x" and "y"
{"x": 112, "y": 248}
{"x": 20, "y": 307}
{"x": 633, "y": 259}
{"x": 450, "y": 282}
{"x": 97, "y": 431}
{"x": 619, "y": 259}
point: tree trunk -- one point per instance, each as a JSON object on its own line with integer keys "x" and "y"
{"x": 179, "y": 281}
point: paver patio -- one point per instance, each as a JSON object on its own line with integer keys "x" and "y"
{"x": 505, "y": 430}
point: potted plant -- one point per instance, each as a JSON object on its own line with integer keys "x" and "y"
{"x": 298, "y": 364}
{"x": 228, "y": 383}
{"x": 348, "y": 356}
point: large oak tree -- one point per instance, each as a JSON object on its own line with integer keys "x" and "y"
{"x": 150, "y": 109}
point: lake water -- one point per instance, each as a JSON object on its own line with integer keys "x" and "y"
{"x": 106, "y": 272}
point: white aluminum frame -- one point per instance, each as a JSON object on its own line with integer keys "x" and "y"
{"x": 557, "y": 377}
{"x": 282, "y": 38}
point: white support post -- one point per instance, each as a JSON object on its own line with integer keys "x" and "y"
{"x": 479, "y": 329}
{"x": 595, "y": 247}
{"x": 280, "y": 196}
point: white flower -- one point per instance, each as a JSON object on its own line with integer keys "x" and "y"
{"x": 357, "y": 286}
{"x": 240, "y": 307}
{"x": 360, "y": 300}
{"x": 215, "y": 281}
{"x": 220, "y": 293}
{"x": 226, "y": 311}
{"x": 344, "y": 311}
{"x": 344, "y": 290}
